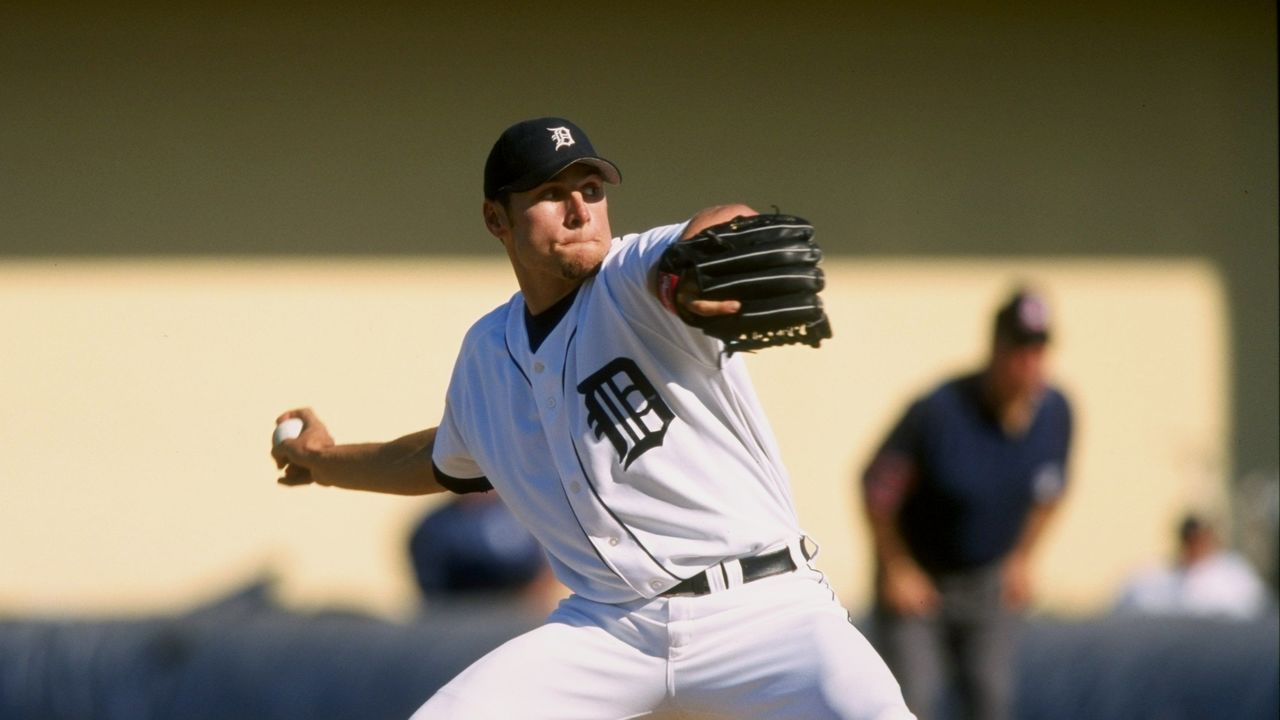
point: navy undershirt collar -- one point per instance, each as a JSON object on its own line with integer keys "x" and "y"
{"x": 540, "y": 326}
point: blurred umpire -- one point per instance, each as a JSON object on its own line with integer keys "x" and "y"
{"x": 957, "y": 496}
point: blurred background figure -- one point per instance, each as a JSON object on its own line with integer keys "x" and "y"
{"x": 957, "y": 496}
{"x": 1205, "y": 580}
{"x": 471, "y": 550}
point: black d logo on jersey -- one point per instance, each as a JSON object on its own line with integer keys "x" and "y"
{"x": 622, "y": 403}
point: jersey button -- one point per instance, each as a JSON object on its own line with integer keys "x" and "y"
{"x": 575, "y": 486}
{"x": 551, "y": 402}
{"x": 539, "y": 367}
{"x": 656, "y": 584}
{"x": 613, "y": 541}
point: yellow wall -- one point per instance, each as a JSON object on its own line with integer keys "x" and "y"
{"x": 137, "y": 399}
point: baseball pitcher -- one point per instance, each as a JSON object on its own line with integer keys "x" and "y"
{"x": 608, "y": 404}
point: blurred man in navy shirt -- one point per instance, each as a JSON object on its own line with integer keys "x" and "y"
{"x": 957, "y": 496}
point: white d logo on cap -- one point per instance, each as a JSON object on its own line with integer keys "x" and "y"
{"x": 562, "y": 137}
{"x": 1033, "y": 314}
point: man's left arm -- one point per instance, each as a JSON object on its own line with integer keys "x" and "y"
{"x": 702, "y": 220}
{"x": 1048, "y": 494}
{"x": 750, "y": 281}
{"x": 714, "y": 215}
{"x": 1017, "y": 564}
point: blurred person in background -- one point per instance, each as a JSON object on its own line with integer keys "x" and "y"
{"x": 1206, "y": 580}
{"x": 472, "y": 549}
{"x": 957, "y": 496}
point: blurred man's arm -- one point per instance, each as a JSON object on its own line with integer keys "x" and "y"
{"x": 1017, "y": 564}
{"x": 903, "y": 586}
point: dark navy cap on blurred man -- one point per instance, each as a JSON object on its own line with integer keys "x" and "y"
{"x": 1023, "y": 319}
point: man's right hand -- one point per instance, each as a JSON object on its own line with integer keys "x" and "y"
{"x": 295, "y": 456}
{"x": 907, "y": 590}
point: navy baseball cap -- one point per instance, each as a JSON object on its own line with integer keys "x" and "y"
{"x": 532, "y": 152}
{"x": 473, "y": 545}
{"x": 1023, "y": 319}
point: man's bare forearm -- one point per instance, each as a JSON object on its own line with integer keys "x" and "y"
{"x": 885, "y": 485}
{"x": 399, "y": 467}
{"x": 714, "y": 215}
{"x": 890, "y": 548}
{"x": 1033, "y": 528}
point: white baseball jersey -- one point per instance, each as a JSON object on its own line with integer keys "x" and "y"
{"x": 625, "y": 443}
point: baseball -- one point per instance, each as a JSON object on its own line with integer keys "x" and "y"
{"x": 288, "y": 429}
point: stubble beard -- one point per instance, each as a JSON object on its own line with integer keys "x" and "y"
{"x": 576, "y": 271}
{"x": 578, "y": 267}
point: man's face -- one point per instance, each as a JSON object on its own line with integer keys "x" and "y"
{"x": 559, "y": 231}
{"x": 1017, "y": 370}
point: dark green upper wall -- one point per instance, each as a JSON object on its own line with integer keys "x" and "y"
{"x": 943, "y": 128}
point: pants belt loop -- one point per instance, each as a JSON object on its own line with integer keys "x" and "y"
{"x": 800, "y": 553}
{"x": 733, "y": 569}
{"x": 716, "y": 577}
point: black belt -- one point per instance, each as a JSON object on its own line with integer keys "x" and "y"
{"x": 753, "y": 568}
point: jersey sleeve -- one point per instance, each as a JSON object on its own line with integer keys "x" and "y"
{"x": 454, "y": 468}
{"x": 893, "y": 471}
{"x": 629, "y": 273}
{"x": 452, "y": 460}
{"x": 1050, "y": 481}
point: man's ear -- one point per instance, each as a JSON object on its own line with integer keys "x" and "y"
{"x": 495, "y": 219}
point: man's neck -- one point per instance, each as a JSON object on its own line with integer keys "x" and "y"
{"x": 540, "y": 326}
{"x": 542, "y": 299}
{"x": 541, "y": 290}
{"x": 1014, "y": 412}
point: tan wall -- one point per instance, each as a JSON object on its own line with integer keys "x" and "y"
{"x": 137, "y": 399}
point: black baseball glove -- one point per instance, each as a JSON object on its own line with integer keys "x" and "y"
{"x": 767, "y": 262}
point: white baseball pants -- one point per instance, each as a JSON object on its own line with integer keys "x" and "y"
{"x": 780, "y": 648}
